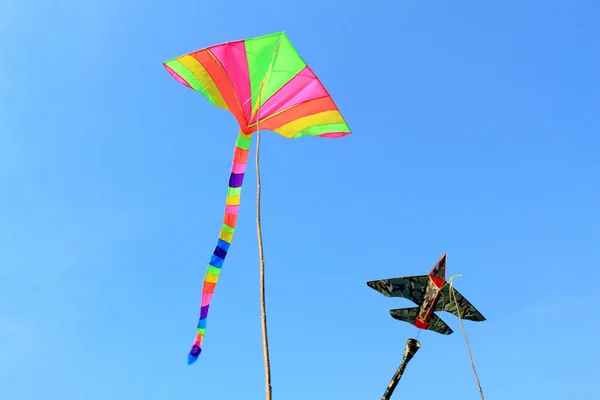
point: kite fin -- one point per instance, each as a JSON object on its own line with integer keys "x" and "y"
{"x": 405, "y": 314}
{"x": 410, "y": 315}
{"x": 240, "y": 158}
{"x": 439, "y": 270}
{"x": 437, "y": 325}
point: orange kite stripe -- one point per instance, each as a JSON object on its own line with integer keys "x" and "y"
{"x": 221, "y": 80}
{"x": 295, "y": 112}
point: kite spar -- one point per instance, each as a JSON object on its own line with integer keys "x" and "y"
{"x": 265, "y": 84}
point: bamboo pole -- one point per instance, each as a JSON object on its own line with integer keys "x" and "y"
{"x": 263, "y": 308}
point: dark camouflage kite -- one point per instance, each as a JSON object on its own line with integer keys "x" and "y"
{"x": 431, "y": 293}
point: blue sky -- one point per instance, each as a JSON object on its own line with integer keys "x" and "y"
{"x": 475, "y": 133}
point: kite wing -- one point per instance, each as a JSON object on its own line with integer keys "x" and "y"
{"x": 446, "y": 303}
{"x": 437, "y": 325}
{"x": 265, "y": 84}
{"x": 409, "y": 287}
{"x": 410, "y": 315}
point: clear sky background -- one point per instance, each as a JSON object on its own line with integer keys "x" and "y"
{"x": 475, "y": 133}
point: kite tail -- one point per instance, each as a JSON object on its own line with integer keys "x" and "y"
{"x": 240, "y": 158}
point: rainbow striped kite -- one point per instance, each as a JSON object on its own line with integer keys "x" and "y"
{"x": 265, "y": 84}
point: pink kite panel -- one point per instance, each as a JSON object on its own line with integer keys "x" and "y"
{"x": 301, "y": 88}
{"x": 334, "y": 135}
{"x": 232, "y": 57}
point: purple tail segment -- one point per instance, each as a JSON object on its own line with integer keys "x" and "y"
{"x": 238, "y": 168}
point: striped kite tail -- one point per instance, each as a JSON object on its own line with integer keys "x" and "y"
{"x": 240, "y": 158}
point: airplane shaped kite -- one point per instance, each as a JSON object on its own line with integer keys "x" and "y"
{"x": 431, "y": 293}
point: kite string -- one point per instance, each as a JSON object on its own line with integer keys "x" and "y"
{"x": 453, "y": 296}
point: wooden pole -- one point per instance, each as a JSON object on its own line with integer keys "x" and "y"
{"x": 263, "y": 308}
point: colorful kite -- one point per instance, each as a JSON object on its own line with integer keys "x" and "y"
{"x": 265, "y": 84}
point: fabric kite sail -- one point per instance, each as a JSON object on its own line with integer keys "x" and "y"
{"x": 265, "y": 84}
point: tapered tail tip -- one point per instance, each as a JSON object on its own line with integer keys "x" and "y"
{"x": 194, "y": 353}
{"x": 191, "y": 359}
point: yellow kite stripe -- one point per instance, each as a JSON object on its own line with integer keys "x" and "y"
{"x": 200, "y": 73}
{"x": 327, "y": 117}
